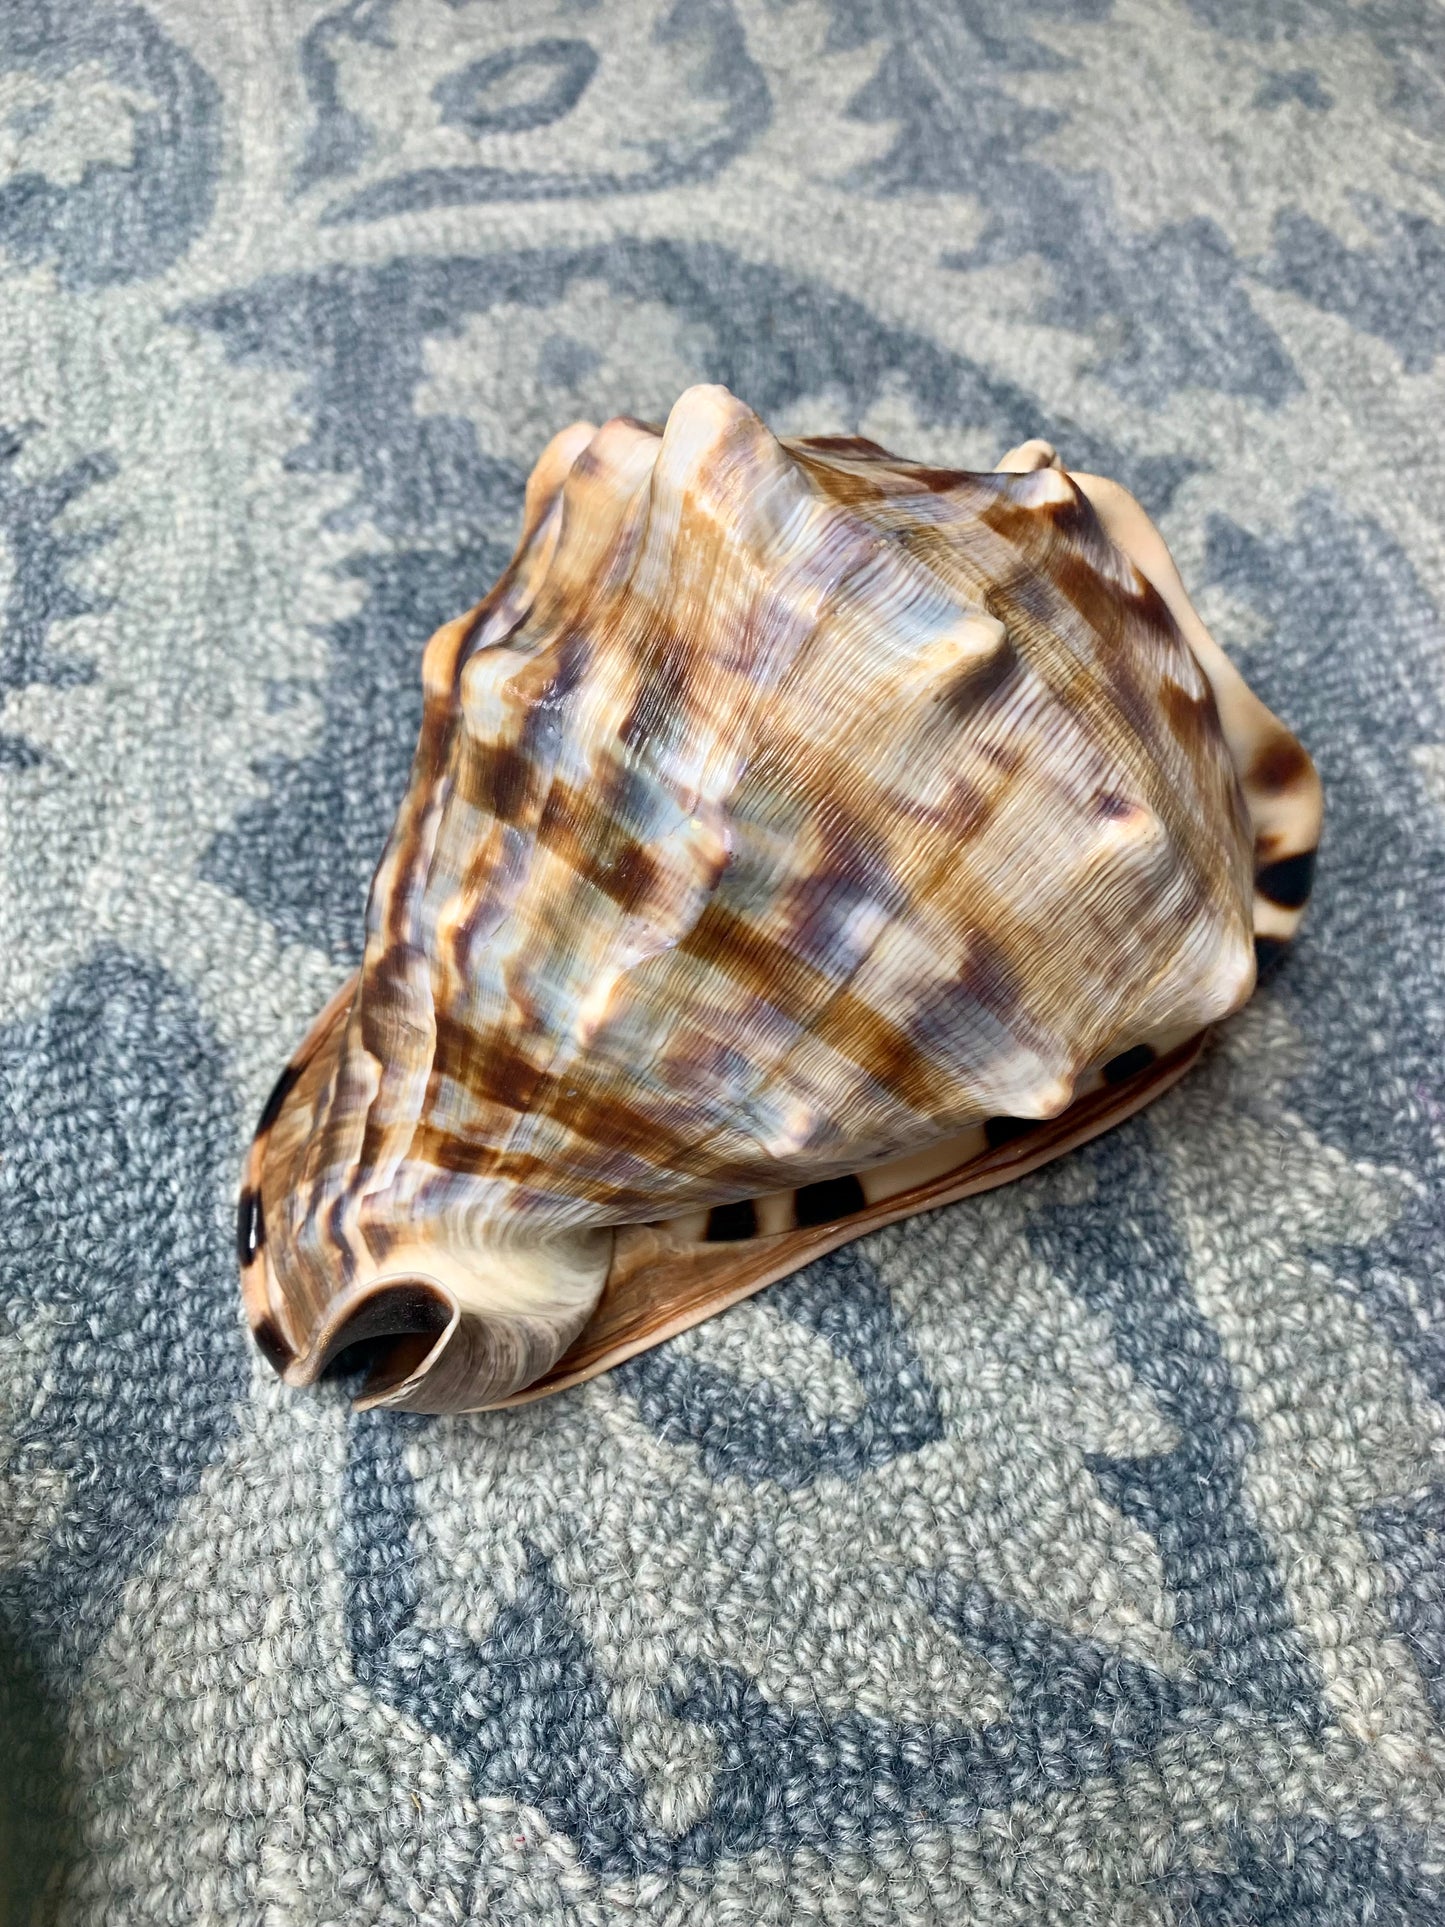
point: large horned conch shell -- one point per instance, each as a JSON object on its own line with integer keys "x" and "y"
{"x": 799, "y": 837}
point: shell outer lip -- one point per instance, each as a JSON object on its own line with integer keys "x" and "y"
{"x": 771, "y": 1257}
{"x": 786, "y": 1252}
{"x": 271, "y": 1323}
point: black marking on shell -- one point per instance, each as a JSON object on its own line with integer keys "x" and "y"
{"x": 284, "y": 1086}
{"x": 271, "y": 1345}
{"x": 1279, "y": 765}
{"x": 250, "y": 1227}
{"x": 730, "y": 1223}
{"x": 829, "y": 1200}
{"x": 1288, "y": 882}
{"x": 1128, "y": 1064}
{"x": 1003, "y": 1130}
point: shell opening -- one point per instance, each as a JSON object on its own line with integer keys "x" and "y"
{"x": 388, "y": 1335}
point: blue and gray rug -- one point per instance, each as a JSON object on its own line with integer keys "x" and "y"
{"x": 1077, "y": 1554}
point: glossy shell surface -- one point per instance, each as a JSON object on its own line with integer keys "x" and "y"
{"x": 787, "y": 815}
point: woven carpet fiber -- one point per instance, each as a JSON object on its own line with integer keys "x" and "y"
{"x": 1074, "y": 1554}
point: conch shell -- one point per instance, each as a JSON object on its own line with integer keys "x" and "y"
{"x": 798, "y": 837}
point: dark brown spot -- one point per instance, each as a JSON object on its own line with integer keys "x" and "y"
{"x": 1004, "y": 1130}
{"x": 1072, "y": 516}
{"x": 731, "y": 1223}
{"x": 965, "y": 810}
{"x": 1006, "y": 758}
{"x": 283, "y": 1088}
{"x": 271, "y": 1345}
{"x": 500, "y": 1074}
{"x": 1280, "y": 764}
{"x": 1289, "y": 881}
{"x": 1151, "y": 607}
{"x": 1080, "y": 583}
{"x": 940, "y": 481}
{"x": 1017, "y": 525}
{"x": 989, "y": 977}
{"x": 250, "y": 1227}
{"x": 597, "y": 846}
{"x": 762, "y": 965}
{"x": 829, "y": 1200}
{"x": 660, "y": 691}
{"x": 387, "y": 988}
{"x": 1128, "y": 1064}
{"x": 495, "y": 779}
{"x": 631, "y": 878}
{"x": 565, "y": 818}
{"x": 850, "y": 486}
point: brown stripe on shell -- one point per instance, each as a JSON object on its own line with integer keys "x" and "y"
{"x": 854, "y": 446}
{"x": 764, "y": 967}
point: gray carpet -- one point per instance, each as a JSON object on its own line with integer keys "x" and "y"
{"x": 1072, "y": 1555}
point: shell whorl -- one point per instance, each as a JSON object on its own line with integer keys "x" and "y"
{"x": 784, "y": 809}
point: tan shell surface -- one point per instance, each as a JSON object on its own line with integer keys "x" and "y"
{"x": 785, "y": 809}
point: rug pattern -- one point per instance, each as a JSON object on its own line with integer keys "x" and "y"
{"x": 1076, "y": 1554}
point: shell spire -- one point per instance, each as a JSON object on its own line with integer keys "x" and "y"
{"x": 796, "y": 836}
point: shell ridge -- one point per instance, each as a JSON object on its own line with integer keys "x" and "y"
{"x": 662, "y": 493}
{"x": 619, "y": 556}
{"x": 659, "y": 475}
{"x": 741, "y": 1097}
{"x": 411, "y": 853}
{"x": 1120, "y": 720}
{"x": 802, "y": 504}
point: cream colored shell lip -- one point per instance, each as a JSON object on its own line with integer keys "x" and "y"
{"x": 468, "y": 1270}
